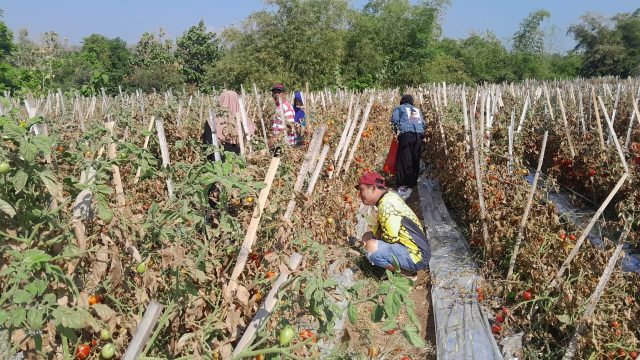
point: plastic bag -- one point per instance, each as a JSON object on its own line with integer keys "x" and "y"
{"x": 390, "y": 164}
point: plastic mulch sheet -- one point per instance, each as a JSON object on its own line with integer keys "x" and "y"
{"x": 462, "y": 327}
{"x": 580, "y": 217}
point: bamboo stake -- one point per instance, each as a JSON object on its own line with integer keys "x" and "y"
{"x": 615, "y": 137}
{"x": 143, "y": 331}
{"x": 164, "y": 151}
{"x": 345, "y": 145}
{"x": 312, "y": 153}
{"x": 634, "y": 116}
{"x": 356, "y": 141}
{"x": 239, "y": 133}
{"x": 259, "y": 106}
{"x": 586, "y": 230}
{"x": 478, "y": 168}
{"x": 250, "y": 236}
{"x": 269, "y": 303}
{"x": 598, "y": 123}
{"x": 144, "y": 147}
{"x": 466, "y": 120}
{"x": 214, "y": 136}
{"x": 316, "y": 172}
{"x": 566, "y": 124}
{"x": 525, "y": 216}
{"x": 595, "y": 297}
{"x": 115, "y": 169}
{"x": 345, "y": 130}
{"x": 510, "y": 134}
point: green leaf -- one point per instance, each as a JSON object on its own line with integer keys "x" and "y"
{"x": 22, "y": 297}
{"x": 103, "y": 189}
{"x": 413, "y": 336}
{"x": 16, "y": 317}
{"x": 352, "y": 312}
{"x": 36, "y": 287}
{"x": 32, "y": 257}
{"x": 3, "y": 317}
{"x": 28, "y": 151}
{"x": 392, "y": 304}
{"x": 6, "y": 208}
{"x": 49, "y": 299}
{"x": 43, "y": 143}
{"x": 13, "y": 131}
{"x": 73, "y": 318}
{"x": 35, "y": 318}
{"x": 54, "y": 188}
{"x": 377, "y": 313}
{"x": 20, "y": 180}
{"x": 564, "y": 318}
{"x": 38, "y": 342}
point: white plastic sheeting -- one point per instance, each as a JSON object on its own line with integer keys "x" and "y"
{"x": 462, "y": 327}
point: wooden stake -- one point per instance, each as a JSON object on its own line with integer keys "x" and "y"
{"x": 115, "y": 170}
{"x": 598, "y": 123}
{"x": 557, "y": 278}
{"x": 363, "y": 123}
{"x": 595, "y": 297}
{"x": 316, "y": 172}
{"x": 164, "y": 151}
{"x": 144, "y": 146}
{"x": 259, "y": 106}
{"x": 478, "y": 168}
{"x": 250, "y": 236}
{"x": 614, "y": 136}
{"x": 566, "y": 124}
{"x": 269, "y": 303}
{"x": 525, "y": 216}
{"x": 143, "y": 331}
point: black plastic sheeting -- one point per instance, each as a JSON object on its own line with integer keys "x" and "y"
{"x": 579, "y": 217}
{"x": 462, "y": 327}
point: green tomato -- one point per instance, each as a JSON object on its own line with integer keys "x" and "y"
{"x": 141, "y": 268}
{"x": 108, "y": 351}
{"x": 286, "y": 335}
{"x": 105, "y": 335}
{"x": 4, "y": 168}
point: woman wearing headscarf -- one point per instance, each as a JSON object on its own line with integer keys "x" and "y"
{"x": 408, "y": 125}
{"x": 226, "y": 127}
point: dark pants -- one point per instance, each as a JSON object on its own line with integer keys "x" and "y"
{"x": 226, "y": 147}
{"x": 408, "y": 159}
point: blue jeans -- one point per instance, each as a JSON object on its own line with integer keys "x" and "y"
{"x": 392, "y": 254}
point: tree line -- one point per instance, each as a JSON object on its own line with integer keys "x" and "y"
{"x": 326, "y": 43}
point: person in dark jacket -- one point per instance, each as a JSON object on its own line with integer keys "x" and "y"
{"x": 408, "y": 126}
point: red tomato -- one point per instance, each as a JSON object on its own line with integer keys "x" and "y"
{"x": 495, "y": 328}
{"x": 614, "y": 324}
{"x": 572, "y": 237}
{"x": 499, "y": 318}
{"x": 633, "y": 355}
{"x": 527, "y": 295}
{"x": 83, "y": 351}
{"x": 391, "y": 331}
{"x": 562, "y": 235}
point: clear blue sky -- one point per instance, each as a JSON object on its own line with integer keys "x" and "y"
{"x": 128, "y": 19}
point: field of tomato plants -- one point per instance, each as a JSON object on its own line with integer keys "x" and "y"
{"x": 482, "y": 142}
{"x": 105, "y": 210}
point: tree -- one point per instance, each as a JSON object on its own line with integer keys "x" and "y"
{"x": 609, "y": 46}
{"x": 109, "y": 58}
{"x": 296, "y": 42}
{"x": 6, "y": 40}
{"x": 153, "y": 49}
{"x": 529, "y": 38}
{"x": 196, "y": 49}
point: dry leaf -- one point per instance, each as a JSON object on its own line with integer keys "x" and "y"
{"x": 116, "y": 270}
{"x": 243, "y": 295}
{"x": 104, "y": 312}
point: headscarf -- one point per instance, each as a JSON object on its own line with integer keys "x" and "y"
{"x": 225, "y": 125}
{"x": 406, "y": 99}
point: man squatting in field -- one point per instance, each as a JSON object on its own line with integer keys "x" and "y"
{"x": 397, "y": 239}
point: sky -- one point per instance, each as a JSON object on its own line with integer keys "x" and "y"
{"x": 128, "y": 19}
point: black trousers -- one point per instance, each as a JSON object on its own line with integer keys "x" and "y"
{"x": 408, "y": 159}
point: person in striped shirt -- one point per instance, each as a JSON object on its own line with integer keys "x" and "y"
{"x": 283, "y": 109}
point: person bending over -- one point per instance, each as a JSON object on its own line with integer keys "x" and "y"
{"x": 397, "y": 238}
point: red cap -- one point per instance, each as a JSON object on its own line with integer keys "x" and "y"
{"x": 278, "y": 87}
{"x": 371, "y": 178}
